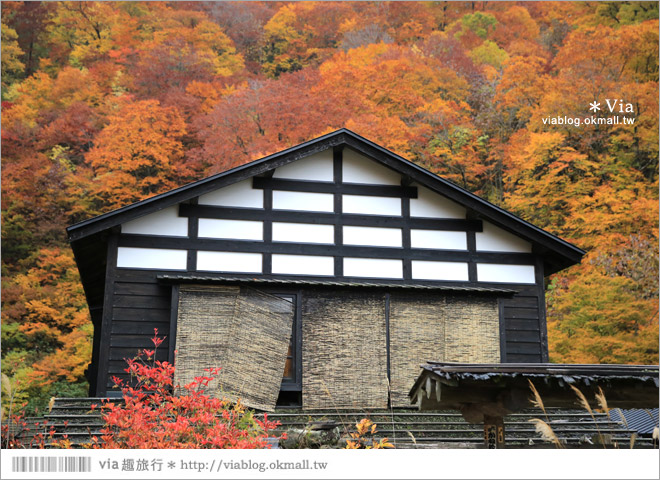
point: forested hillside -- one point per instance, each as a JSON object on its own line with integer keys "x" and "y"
{"x": 104, "y": 104}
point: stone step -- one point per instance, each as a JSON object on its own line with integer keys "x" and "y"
{"x": 74, "y": 419}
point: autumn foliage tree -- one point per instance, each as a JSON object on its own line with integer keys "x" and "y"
{"x": 46, "y": 329}
{"x": 108, "y": 103}
{"x": 138, "y": 154}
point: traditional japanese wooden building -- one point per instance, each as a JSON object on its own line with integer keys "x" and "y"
{"x": 321, "y": 276}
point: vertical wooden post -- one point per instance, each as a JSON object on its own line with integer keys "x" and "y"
{"x": 493, "y": 432}
{"x": 337, "y": 174}
{"x": 267, "y": 256}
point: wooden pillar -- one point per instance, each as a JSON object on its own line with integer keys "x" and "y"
{"x": 493, "y": 432}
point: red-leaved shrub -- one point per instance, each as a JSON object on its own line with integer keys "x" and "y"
{"x": 156, "y": 413}
{"x": 16, "y": 432}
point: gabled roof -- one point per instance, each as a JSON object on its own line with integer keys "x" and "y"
{"x": 89, "y": 237}
{"x": 567, "y": 254}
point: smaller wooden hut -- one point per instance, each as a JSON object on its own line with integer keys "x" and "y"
{"x": 486, "y": 393}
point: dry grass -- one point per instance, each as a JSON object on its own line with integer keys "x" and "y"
{"x": 412, "y": 437}
{"x": 633, "y": 437}
{"x": 543, "y": 428}
{"x": 623, "y": 419}
{"x": 656, "y": 431}
{"x": 585, "y": 404}
{"x": 334, "y": 405}
{"x": 537, "y": 401}
{"x": 546, "y": 431}
{"x": 548, "y": 434}
{"x": 602, "y": 402}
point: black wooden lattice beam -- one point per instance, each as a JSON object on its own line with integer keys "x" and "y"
{"x": 327, "y": 187}
{"x": 250, "y": 246}
{"x": 327, "y": 218}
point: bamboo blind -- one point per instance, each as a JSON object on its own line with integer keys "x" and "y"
{"x": 417, "y": 335}
{"x": 241, "y": 330}
{"x": 344, "y": 355}
{"x": 472, "y": 330}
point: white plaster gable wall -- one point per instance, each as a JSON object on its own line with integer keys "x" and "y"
{"x": 240, "y": 194}
{"x": 303, "y": 265}
{"x": 235, "y": 262}
{"x": 356, "y": 169}
{"x": 151, "y": 258}
{"x": 364, "y": 205}
{"x": 165, "y": 222}
{"x": 317, "y": 167}
{"x": 303, "y": 233}
{"x": 433, "y": 205}
{"x": 497, "y": 273}
{"x": 436, "y": 239}
{"x": 230, "y": 229}
{"x": 372, "y": 236}
{"x": 494, "y": 239}
{"x": 359, "y": 169}
{"x": 303, "y": 201}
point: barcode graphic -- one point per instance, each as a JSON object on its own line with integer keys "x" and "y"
{"x": 51, "y": 464}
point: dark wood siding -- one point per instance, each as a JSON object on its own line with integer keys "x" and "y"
{"x": 522, "y": 336}
{"x": 139, "y": 304}
{"x": 91, "y": 261}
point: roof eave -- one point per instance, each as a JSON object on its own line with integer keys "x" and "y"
{"x": 194, "y": 189}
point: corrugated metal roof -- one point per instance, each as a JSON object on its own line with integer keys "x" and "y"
{"x": 332, "y": 283}
{"x": 643, "y": 421}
